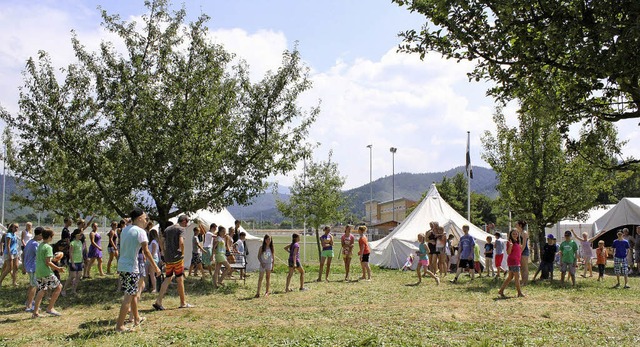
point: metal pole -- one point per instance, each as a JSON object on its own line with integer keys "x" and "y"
{"x": 370, "y": 186}
{"x": 304, "y": 223}
{"x": 393, "y": 182}
{"x": 468, "y": 181}
{"x": 4, "y": 180}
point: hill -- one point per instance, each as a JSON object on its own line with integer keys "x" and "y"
{"x": 408, "y": 185}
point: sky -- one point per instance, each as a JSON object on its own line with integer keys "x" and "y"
{"x": 368, "y": 92}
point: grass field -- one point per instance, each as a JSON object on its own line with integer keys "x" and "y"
{"x": 388, "y": 310}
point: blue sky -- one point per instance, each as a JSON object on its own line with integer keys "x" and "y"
{"x": 370, "y": 93}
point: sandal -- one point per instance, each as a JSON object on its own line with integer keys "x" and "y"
{"x": 142, "y": 319}
{"x": 186, "y": 306}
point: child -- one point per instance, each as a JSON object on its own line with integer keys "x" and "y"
{"x": 499, "y": 254}
{"x": 112, "y": 248}
{"x": 423, "y": 261}
{"x": 453, "y": 260}
{"x": 238, "y": 246}
{"x": 10, "y": 248}
{"x": 569, "y": 258}
{"x": 514, "y": 258}
{"x": 585, "y": 252}
{"x": 197, "y": 250}
{"x": 364, "y": 252}
{"x": 601, "y": 259}
{"x": 220, "y": 245}
{"x": 150, "y": 270}
{"x": 326, "y": 241}
{"x": 408, "y": 263}
{"x": 620, "y": 265}
{"x": 75, "y": 262}
{"x": 488, "y": 256}
{"x": 44, "y": 275}
{"x": 347, "y": 242}
{"x": 266, "y": 259}
{"x": 30, "y": 267}
{"x": 294, "y": 262}
{"x": 207, "y": 255}
{"x": 477, "y": 266}
{"x": 548, "y": 256}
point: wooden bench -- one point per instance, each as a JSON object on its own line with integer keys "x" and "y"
{"x": 241, "y": 266}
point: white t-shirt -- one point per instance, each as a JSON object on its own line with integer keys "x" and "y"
{"x": 208, "y": 240}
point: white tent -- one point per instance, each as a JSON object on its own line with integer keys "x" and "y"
{"x": 579, "y": 227}
{"x": 225, "y": 219}
{"x": 392, "y": 251}
{"x": 625, "y": 212}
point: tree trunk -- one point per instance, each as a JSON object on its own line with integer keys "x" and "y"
{"x": 318, "y": 242}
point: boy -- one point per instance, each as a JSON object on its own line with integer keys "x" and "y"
{"x": 44, "y": 275}
{"x": 499, "y": 248}
{"x": 620, "y": 265}
{"x": 465, "y": 260}
{"x": 240, "y": 252}
{"x": 549, "y": 251}
{"x": 30, "y": 267}
{"x": 601, "y": 259}
{"x": 488, "y": 256}
{"x": 568, "y": 257}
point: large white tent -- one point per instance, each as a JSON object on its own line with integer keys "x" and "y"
{"x": 392, "y": 251}
{"x": 580, "y": 226}
{"x": 625, "y": 212}
{"x": 225, "y": 219}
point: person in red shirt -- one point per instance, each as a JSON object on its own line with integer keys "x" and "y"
{"x": 364, "y": 252}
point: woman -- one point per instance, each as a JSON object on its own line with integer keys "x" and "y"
{"x": 431, "y": 238}
{"x": 441, "y": 245}
{"x": 524, "y": 242}
{"x": 514, "y": 257}
{"x": 95, "y": 249}
{"x": 112, "y": 248}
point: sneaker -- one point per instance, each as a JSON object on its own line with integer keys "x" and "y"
{"x": 303, "y": 289}
{"x": 54, "y": 313}
{"x": 28, "y": 309}
{"x": 454, "y": 280}
{"x": 158, "y": 307}
{"x": 626, "y": 287}
{"x": 617, "y": 285}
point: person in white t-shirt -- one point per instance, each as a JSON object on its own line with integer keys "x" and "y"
{"x": 207, "y": 255}
{"x": 132, "y": 238}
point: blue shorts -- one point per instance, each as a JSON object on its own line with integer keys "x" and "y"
{"x": 75, "y": 267}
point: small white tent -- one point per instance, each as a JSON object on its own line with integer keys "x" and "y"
{"x": 225, "y": 219}
{"x": 579, "y": 227}
{"x": 392, "y": 251}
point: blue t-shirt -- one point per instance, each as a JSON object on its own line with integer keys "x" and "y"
{"x": 13, "y": 250}
{"x": 130, "y": 239}
{"x": 621, "y": 247}
{"x": 499, "y": 247}
{"x": 466, "y": 247}
{"x": 30, "y": 255}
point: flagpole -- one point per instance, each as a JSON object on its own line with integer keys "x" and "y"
{"x": 468, "y": 178}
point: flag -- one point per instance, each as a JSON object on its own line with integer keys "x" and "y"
{"x": 469, "y": 169}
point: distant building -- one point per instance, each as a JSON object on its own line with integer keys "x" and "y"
{"x": 383, "y": 218}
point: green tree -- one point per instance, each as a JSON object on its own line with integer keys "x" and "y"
{"x": 317, "y": 196}
{"x": 587, "y": 47}
{"x": 538, "y": 179}
{"x": 169, "y": 124}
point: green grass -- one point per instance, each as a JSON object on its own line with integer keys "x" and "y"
{"x": 386, "y": 311}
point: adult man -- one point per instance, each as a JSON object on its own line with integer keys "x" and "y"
{"x": 174, "y": 261}
{"x": 465, "y": 246}
{"x": 132, "y": 238}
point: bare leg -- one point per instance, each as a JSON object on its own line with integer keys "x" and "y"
{"x": 100, "y": 267}
{"x": 291, "y": 269}
{"x": 262, "y": 271}
{"x": 322, "y": 260}
{"x": 301, "y": 271}
{"x": 328, "y": 269}
{"x": 181, "y": 293}
{"x": 124, "y": 309}
{"x": 506, "y": 283}
{"x": 163, "y": 290}
{"x": 54, "y": 297}
{"x": 268, "y": 284}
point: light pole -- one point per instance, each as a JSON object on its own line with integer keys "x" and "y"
{"x": 370, "y": 186}
{"x": 393, "y": 182}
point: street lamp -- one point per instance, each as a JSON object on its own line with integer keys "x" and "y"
{"x": 393, "y": 182}
{"x": 370, "y": 186}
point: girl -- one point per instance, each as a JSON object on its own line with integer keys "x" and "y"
{"x": 514, "y": 258}
{"x": 153, "y": 249}
{"x": 266, "y": 259}
{"x": 221, "y": 259}
{"x": 347, "y": 242}
{"x": 229, "y": 246}
{"x": 294, "y": 261}
{"x": 326, "y": 241}
{"x": 524, "y": 242}
{"x": 113, "y": 250}
{"x": 10, "y": 254}
{"x": 95, "y": 248}
{"x": 364, "y": 252}
{"x": 441, "y": 245}
{"x": 44, "y": 274}
{"x": 601, "y": 261}
{"x": 75, "y": 262}
{"x": 585, "y": 252}
{"x": 423, "y": 261}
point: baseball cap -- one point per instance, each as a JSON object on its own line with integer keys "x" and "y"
{"x": 567, "y": 233}
{"x": 550, "y": 236}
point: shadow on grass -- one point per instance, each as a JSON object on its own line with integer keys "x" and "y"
{"x": 13, "y": 320}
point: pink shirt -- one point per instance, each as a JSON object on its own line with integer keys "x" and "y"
{"x": 513, "y": 259}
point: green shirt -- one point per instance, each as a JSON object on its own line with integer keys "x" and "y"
{"x": 568, "y": 249}
{"x": 44, "y": 251}
{"x": 476, "y": 252}
{"x": 76, "y": 254}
